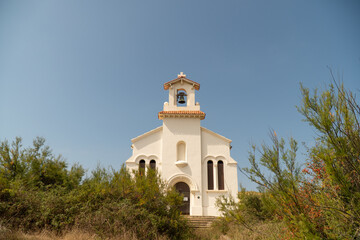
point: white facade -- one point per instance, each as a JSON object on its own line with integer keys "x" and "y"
{"x": 185, "y": 152}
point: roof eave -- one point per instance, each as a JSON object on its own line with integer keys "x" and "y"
{"x": 216, "y": 134}
{"x": 168, "y": 84}
{"x": 146, "y": 134}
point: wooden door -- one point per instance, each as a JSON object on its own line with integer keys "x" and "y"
{"x": 184, "y": 189}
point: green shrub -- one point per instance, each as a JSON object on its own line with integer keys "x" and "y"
{"x": 249, "y": 209}
{"x": 38, "y": 192}
{"x": 322, "y": 201}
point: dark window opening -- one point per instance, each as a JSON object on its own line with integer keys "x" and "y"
{"x": 142, "y": 167}
{"x": 153, "y": 164}
{"x": 210, "y": 172}
{"x": 220, "y": 166}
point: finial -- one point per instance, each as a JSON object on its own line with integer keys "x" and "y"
{"x": 181, "y": 75}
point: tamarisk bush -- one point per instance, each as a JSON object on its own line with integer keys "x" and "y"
{"x": 332, "y": 189}
{"x": 321, "y": 201}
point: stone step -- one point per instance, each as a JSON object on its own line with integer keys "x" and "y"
{"x": 200, "y": 221}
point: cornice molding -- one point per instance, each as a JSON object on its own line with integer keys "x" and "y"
{"x": 181, "y": 114}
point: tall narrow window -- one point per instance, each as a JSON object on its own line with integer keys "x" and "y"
{"x": 142, "y": 167}
{"x": 210, "y": 172}
{"x": 220, "y": 168}
{"x": 181, "y": 149}
{"x": 153, "y": 164}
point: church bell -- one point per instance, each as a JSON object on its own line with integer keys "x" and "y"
{"x": 181, "y": 100}
{"x": 181, "y": 97}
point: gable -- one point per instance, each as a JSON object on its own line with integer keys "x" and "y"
{"x": 147, "y": 134}
{"x": 181, "y": 79}
{"x": 220, "y": 137}
{"x": 147, "y": 144}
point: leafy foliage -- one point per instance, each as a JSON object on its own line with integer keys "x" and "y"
{"x": 38, "y": 191}
{"x": 332, "y": 192}
{"x": 323, "y": 200}
{"x": 250, "y": 208}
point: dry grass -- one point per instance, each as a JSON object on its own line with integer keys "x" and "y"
{"x": 71, "y": 235}
{"x": 260, "y": 231}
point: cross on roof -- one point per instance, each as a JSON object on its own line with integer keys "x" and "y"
{"x": 181, "y": 75}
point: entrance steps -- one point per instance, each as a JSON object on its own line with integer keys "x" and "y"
{"x": 200, "y": 221}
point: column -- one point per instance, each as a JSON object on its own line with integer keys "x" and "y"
{"x": 215, "y": 176}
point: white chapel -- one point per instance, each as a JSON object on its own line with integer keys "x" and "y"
{"x": 193, "y": 159}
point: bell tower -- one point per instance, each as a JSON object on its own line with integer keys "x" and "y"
{"x": 182, "y": 98}
{"x": 181, "y": 139}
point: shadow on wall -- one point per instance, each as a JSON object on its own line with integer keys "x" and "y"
{"x": 178, "y": 126}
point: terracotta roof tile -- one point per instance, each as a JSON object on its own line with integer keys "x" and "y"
{"x": 190, "y": 114}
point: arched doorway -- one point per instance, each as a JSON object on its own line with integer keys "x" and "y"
{"x": 184, "y": 189}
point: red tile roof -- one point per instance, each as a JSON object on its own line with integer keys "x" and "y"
{"x": 169, "y": 83}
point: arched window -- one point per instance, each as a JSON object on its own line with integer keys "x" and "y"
{"x": 210, "y": 173}
{"x": 220, "y": 168}
{"x": 153, "y": 164}
{"x": 142, "y": 167}
{"x": 181, "y": 149}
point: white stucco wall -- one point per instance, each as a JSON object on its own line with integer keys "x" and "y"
{"x": 188, "y": 131}
{"x": 215, "y": 148}
{"x": 201, "y": 145}
{"x": 147, "y": 147}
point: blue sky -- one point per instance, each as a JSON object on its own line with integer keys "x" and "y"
{"x": 88, "y": 75}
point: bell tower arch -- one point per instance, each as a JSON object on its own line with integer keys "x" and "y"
{"x": 181, "y": 94}
{"x": 181, "y": 97}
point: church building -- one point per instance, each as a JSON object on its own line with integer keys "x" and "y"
{"x": 193, "y": 159}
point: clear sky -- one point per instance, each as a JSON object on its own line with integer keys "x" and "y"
{"x": 88, "y": 75}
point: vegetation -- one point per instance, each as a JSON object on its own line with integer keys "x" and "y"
{"x": 320, "y": 201}
{"x": 38, "y": 192}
